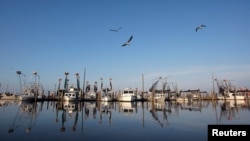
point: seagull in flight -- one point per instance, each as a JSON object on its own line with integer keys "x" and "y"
{"x": 200, "y": 27}
{"x": 116, "y": 30}
{"x": 128, "y": 42}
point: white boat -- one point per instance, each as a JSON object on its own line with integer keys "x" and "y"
{"x": 227, "y": 91}
{"x": 106, "y": 98}
{"x": 33, "y": 92}
{"x": 90, "y": 95}
{"x": 91, "y": 92}
{"x": 182, "y": 99}
{"x": 231, "y": 96}
{"x": 127, "y": 94}
{"x": 9, "y": 96}
{"x": 71, "y": 95}
{"x": 157, "y": 97}
{"x": 106, "y": 95}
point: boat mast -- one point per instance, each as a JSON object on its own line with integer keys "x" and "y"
{"x": 66, "y": 81}
{"x": 142, "y": 86}
{"x": 59, "y": 85}
{"x": 36, "y": 85}
{"x": 19, "y": 73}
{"x": 83, "y": 87}
{"x": 110, "y": 84}
{"x": 213, "y": 87}
{"x": 78, "y": 85}
{"x": 65, "y": 84}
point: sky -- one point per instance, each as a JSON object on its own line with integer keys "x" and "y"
{"x": 52, "y": 37}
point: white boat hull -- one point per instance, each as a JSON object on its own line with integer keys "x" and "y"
{"x": 106, "y": 98}
{"x": 127, "y": 98}
{"x": 11, "y": 97}
{"x": 231, "y": 96}
{"x": 127, "y": 95}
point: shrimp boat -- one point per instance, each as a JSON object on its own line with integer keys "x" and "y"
{"x": 72, "y": 93}
{"x": 228, "y": 92}
{"x": 157, "y": 95}
{"x": 231, "y": 96}
{"x": 32, "y": 92}
{"x": 127, "y": 94}
{"x": 106, "y": 93}
{"x": 91, "y": 92}
{"x": 9, "y": 96}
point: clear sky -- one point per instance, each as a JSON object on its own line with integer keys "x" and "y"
{"x": 56, "y": 36}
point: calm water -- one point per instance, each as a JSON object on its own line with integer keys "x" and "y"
{"x": 116, "y": 121}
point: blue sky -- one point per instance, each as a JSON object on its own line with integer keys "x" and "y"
{"x": 56, "y": 36}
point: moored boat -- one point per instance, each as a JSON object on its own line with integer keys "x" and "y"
{"x": 231, "y": 96}
{"x": 9, "y": 96}
{"x": 127, "y": 94}
{"x": 91, "y": 92}
{"x": 157, "y": 95}
{"x": 105, "y": 93}
{"x": 33, "y": 92}
{"x": 72, "y": 93}
{"x": 228, "y": 91}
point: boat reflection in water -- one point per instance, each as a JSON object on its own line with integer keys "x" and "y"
{"x": 70, "y": 112}
{"x": 90, "y": 109}
{"x": 127, "y": 107}
{"x": 105, "y": 110}
{"x": 230, "y": 109}
{"x": 26, "y": 116}
{"x": 195, "y": 105}
{"x": 99, "y": 120}
{"x": 159, "y": 111}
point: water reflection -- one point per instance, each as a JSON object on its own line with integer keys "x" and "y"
{"x": 105, "y": 110}
{"x": 158, "y": 110}
{"x": 230, "y": 109}
{"x": 26, "y": 116}
{"x": 69, "y": 112}
{"x": 191, "y": 106}
{"x": 117, "y": 117}
{"x": 127, "y": 107}
{"x": 90, "y": 109}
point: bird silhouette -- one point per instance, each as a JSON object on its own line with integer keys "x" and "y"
{"x": 200, "y": 27}
{"x": 128, "y": 42}
{"x": 116, "y": 30}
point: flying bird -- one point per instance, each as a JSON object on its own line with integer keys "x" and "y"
{"x": 116, "y": 30}
{"x": 200, "y": 27}
{"x": 128, "y": 42}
